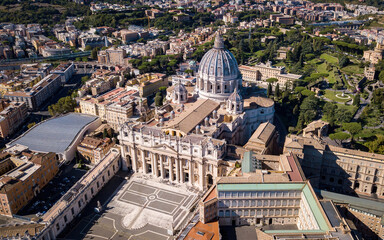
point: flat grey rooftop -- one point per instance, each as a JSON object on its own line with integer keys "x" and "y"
{"x": 331, "y": 213}
{"x": 238, "y": 233}
{"x": 366, "y": 205}
{"x": 56, "y": 134}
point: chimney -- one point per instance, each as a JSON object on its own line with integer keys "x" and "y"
{"x": 198, "y": 129}
{"x": 214, "y": 114}
{"x": 172, "y": 114}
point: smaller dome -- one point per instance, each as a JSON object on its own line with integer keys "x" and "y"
{"x": 235, "y": 96}
{"x": 180, "y": 88}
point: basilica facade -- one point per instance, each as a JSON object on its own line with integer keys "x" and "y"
{"x": 186, "y": 141}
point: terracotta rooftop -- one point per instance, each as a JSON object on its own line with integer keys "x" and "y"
{"x": 253, "y": 102}
{"x": 193, "y": 115}
{"x": 261, "y": 136}
{"x": 212, "y": 194}
{"x": 201, "y": 231}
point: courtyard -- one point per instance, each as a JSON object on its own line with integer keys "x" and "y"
{"x": 142, "y": 208}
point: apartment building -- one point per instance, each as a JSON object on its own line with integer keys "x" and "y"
{"x": 149, "y": 83}
{"x": 65, "y": 70}
{"x": 339, "y": 169}
{"x": 369, "y": 72}
{"x": 261, "y": 72}
{"x": 112, "y": 56}
{"x": 30, "y": 172}
{"x": 115, "y": 106}
{"x": 94, "y": 149}
{"x": 278, "y": 209}
{"x": 12, "y": 115}
{"x": 38, "y": 94}
{"x": 374, "y": 56}
{"x": 366, "y": 215}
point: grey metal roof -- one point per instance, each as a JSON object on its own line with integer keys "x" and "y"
{"x": 331, "y": 213}
{"x": 54, "y": 135}
{"x": 370, "y": 206}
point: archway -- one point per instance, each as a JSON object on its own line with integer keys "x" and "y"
{"x": 209, "y": 180}
{"x": 374, "y": 189}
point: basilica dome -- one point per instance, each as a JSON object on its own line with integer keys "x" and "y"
{"x": 219, "y": 73}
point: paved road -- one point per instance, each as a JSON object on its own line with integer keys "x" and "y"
{"x": 281, "y": 129}
{"x": 104, "y": 196}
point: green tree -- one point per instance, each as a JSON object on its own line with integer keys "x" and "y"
{"x": 84, "y": 79}
{"x": 381, "y": 76}
{"x": 353, "y": 128}
{"x": 94, "y": 53}
{"x": 341, "y": 136}
{"x": 344, "y": 61}
{"x": 343, "y": 115}
{"x": 159, "y": 99}
{"x": 376, "y": 146}
{"x": 105, "y": 133}
{"x": 356, "y": 100}
{"x": 277, "y": 91}
{"x": 88, "y": 48}
{"x": 269, "y": 90}
{"x": 272, "y": 80}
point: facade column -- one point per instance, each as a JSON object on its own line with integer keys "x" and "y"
{"x": 170, "y": 164}
{"x": 181, "y": 171}
{"x": 201, "y": 175}
{"x": 191, "y": 175}
{"x": 145, "y": 168}
{"x": 161, "y": 159}
{"x": 155, "y": 168}
{"x": 177, "y": 170}
{"x": 133, "y": 158}
{"x": 214, "y": 169}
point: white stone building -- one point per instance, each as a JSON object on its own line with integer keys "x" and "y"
{"x": 186, "y": 140}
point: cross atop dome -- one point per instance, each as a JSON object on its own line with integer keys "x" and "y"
{"x": 219, "y": 42}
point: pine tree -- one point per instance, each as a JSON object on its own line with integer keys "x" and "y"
{"x": 269, "y": 89}
{"x": 356, "y": 100}
{"x": 277, "y": 91}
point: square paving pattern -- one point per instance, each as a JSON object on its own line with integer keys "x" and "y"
{"x": 142, "y": 209}
{"x": 153, "y": 198}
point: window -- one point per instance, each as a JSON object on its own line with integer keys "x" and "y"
{"x": 65, "y": 219}
{"x": 221, "y": 213}
{"x": 72, "y": 211}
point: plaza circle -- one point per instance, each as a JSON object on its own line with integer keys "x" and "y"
{"x": 341, "y": 97}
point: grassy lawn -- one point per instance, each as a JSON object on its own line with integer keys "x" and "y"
{"x": 259, "y": 53}
{"x": 314, "y": 61}
{"x": 322, "y": 68}
{"x": 280, "y": 64}
{"x": 329, "y": 58}
{"x": 348, "y": 107}
{"x": 330, "y": 94}
{"x": 352, "y": 69}
{"x": 331, "y": 77}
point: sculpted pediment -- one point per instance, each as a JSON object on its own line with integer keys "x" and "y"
{"x": 165, "y": 147}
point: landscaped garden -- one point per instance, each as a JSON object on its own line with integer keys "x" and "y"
{"x": 338, "y": 96}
